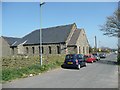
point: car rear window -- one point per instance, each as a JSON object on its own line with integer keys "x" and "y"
{"x": 86, "y": 56}
{"x": 79, "y": 56}
{"x": 70, "y": 56}
{"x": 95, "y": 54}
{"x": 102, "y": 54}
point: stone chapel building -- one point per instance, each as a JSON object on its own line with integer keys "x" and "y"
{"x": 64, "y": 39}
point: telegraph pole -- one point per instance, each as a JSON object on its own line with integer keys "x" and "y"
{"x": 95, "y": 44}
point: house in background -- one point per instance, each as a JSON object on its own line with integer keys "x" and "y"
{"x": 62, "y": 39}
{"x": 5, "y": 46}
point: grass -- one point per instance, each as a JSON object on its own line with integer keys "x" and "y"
{"x": 19, "y": 67}
{"x": 10, "y": 74}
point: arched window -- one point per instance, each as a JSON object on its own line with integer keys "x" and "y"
{"x": 33, "y": 50}
{"x": 58, "y": 49}
{"x": 42, "y": 50}
{"x": 39, "y": 49}
{"x": 27, "y": 50}
{"x": 13, "y": 51}
{"x": 83, "y": 50}
{"x": 50, "y": 50}
{"x": 79, "y": 50}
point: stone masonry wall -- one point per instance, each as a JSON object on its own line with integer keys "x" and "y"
{"x": 5, "y": 48}
{"x": 47, "y": 49}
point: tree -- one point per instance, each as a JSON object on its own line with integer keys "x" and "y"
{"x": 112, "y": 25}
{"x": 90, "y": 49}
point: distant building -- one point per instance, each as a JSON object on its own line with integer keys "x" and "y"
{"x": 55, "y": 40}
{"x": 5, "y": 46}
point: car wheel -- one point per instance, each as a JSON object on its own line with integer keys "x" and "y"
{"x": 79, "y": 66}
{"x": 62, "y": 66}
{"x": 85, "y": 64}
{"x": 91, "y": 61}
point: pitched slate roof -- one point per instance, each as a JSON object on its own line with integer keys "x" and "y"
{"x": 11, "y": 40}
{"x": 74, "y": 37}
{"x": 56, "y": 34}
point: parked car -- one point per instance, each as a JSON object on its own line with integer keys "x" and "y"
{"x": 116, "y": 52}
{"x": 96, "y": 55}
{"x": 74, "y": 61}
{"x": 102, "y": 55}
{"x": 81, "y": 60}
{"x": 90, "y": 58}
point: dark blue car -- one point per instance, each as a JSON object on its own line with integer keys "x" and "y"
{"x": 102, "y": 55}
{"x": 74, "y": 61}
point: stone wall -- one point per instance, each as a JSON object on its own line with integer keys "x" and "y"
{"x": 4, "y": 48}
{"x": 46, "y": 49}
{"x": 13, "y": 51}
{"x": 82, "y": 43}
{"x": 71, "y": 50}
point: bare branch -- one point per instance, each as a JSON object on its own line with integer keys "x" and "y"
{"x": 112, "y": 26}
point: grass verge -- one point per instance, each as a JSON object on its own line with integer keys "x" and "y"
{"x": 10, "y": 72}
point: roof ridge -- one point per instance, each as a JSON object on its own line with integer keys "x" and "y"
{"x": 9, "y": 37}
{"x": 58, "y": 26}
{"x": 49, "y": 28}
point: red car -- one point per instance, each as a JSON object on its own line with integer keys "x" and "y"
{"x": 90, "y": 58}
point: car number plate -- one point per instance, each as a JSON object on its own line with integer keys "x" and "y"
{"x": 70, "y": 62}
